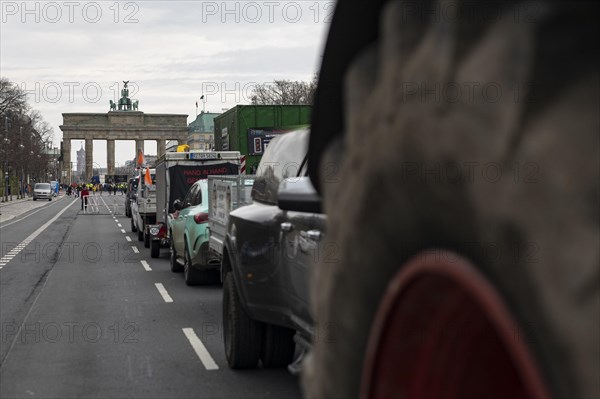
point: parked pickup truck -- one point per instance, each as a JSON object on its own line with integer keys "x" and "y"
{"x": 268, "y": 249}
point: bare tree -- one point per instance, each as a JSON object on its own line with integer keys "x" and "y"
{"x": 24, "y": 137}
{"x": 12, "y": 98}
{"x": 42, "y": 129}
{"x": 284, "y": 92}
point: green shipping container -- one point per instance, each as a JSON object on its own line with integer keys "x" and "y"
{"x": 249, "y": 128}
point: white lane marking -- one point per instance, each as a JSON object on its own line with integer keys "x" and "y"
{"x": 123, "y": 230}
{"x": 135, "y": 249}
{"x": 146, "y": 265}
{"x": 205, "y": 357}
{"x": 116, "y": 221}
{"x": 15, "y": 251}
{"x": 128, "y": 238}
{"x": 119, "y": 224}
{"x": 32, "y": 213}
{"x": 163, "y": 292}
{"x": 104, "y": 202}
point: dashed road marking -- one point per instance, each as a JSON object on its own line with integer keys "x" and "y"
{"x": 146, "y": 265}
{"x": 123, "y": 231}
{"x": 135, "y": 249}
{"x": 205, "y": 357}
{"x": 119, "y": 224}
{"x": 128, "y": 238}
{"x": 163, "y": 292}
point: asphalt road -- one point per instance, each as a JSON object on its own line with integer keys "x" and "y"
{"x": 86, "y": 312}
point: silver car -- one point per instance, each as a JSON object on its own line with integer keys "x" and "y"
{"x": 42, "y": 191}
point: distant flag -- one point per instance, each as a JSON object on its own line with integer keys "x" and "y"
{"x": 147, "y": 177}
{"x": 140, "y": 158}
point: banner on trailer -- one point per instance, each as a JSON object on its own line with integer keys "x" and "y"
{"x": 182, "y": 177}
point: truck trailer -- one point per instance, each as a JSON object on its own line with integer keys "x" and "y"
{"x": 249, "y": 128}
{"x": 176, "y": 172}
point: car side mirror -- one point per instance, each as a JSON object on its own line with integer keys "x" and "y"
{"x": 298, "y": 194}
{"x": 177, "y": 205}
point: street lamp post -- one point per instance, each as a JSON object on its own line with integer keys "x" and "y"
{"x": 6, "y": 186}
{"x": 5, "y": 168}
{"x": 21, "y": 148}
{"x": 7, "y": 176}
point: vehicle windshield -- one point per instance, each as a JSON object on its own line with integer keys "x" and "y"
{"x": 42, "y": 186}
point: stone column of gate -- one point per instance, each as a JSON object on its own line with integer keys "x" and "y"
{"x": 160, "y": 147}
{"x": 139, "y": 145}
{"x": 110, "y": 156}
{"x": 89, "y": 160}
{"x": 67, "y": 160}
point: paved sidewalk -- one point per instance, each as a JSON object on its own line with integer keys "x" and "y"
{"x": 14, "y": 201}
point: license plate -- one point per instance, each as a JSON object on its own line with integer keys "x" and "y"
{"x": 203, "y": 155}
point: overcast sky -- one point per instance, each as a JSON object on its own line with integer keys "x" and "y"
{"x": 73, "y": 56}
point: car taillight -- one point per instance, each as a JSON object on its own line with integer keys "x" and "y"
{"x": 201, "y": 218}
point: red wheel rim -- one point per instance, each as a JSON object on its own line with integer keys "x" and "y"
{"x": 443, "y": 331}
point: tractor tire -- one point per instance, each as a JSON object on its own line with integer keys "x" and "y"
{"x": 508, "y": 183}
{"x": 278, "y": 346}
{"x": 242, "y": 335}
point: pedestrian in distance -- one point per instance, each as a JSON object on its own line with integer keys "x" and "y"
{"x": 84, "y": 194}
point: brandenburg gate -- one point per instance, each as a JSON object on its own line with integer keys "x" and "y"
{"x": 126, "y": 123}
